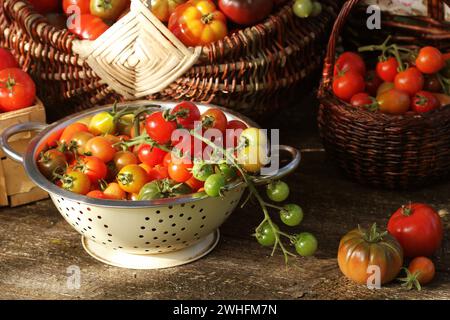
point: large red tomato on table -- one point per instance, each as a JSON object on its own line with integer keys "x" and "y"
{"x": 45, "y": 6}
{"x": 17, "y": 89}
{"x": 418, "y": 228}
{"x": 7, "y": 60}
{"x": 246, "y": 12}
{"x": 198, "y": 22}
{"x": 86, "y": 26}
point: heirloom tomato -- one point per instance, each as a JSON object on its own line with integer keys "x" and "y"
{"x": 246, "y": 12}
{"x": 347, "y": 84}
{"x": 76, "y": 6}
{"x": 7, "y": 60}
{"x": 79, "y": 140}
{"x": 430, "y": 60}
{"x": 102, "y": 123}
{"x": 162, "y": 9}
{"x": 198, "y": 22}
{"x": 424, "y": 101}
{"x": 360, "y": 249}
{"x": 17, "y": 89}
{"x": 124, "y": 158}
{"x": 86, "y": 26}
{"x": 410, "y": 81}
{"x": 418, "y": 228}
{"x": 108, "y": 9}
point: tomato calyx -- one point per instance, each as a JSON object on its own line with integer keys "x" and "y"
{"x": 411, "y": 280}
{"x": 407, "y": 210}
{"x": 105, "y": 5}
{"x": 207, "y": 18}
{"x": 373, "y": 235}
{"x": 10, "y": 83}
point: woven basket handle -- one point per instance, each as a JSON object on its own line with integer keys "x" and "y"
{"x": 337, "y": 28}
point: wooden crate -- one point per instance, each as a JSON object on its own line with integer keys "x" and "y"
{"x": 15, "y": 186}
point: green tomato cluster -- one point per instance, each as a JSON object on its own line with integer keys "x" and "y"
{"x": 307, "y": 8}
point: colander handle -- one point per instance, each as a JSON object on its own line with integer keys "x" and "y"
{"x": 286, "y": 169}
{"x": 13, "y": 130}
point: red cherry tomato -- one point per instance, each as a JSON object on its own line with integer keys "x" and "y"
{"x": 113, "y": 191}
{"x": 418, "y": 228}
{"x": 423, "y": 268}
{"x": 424, "y": 101}
{"x": 101, "y": 148}
{"x": 195, "y": 184}
{"x": 187, "y": 113}
{"x": 373, "y": 82}
{"x": 410, "y": 81}
{"x": 17, "y": 89}
{"x": 93, "y": 167}
{"x": 167, "y": 159}
{"x": 86, "y": 26}
{"x": 7, "y": 60}
{"x": 350, "y": 61}
{"x": 361, "y": 100}
{"x": 387, "y": 69}
{"x": 158, "y": 172}
{"x": 158, "y": 128}
{"x": 346, "y": 85}
{"x": 71, "y": 129}
{"x": 214, "y": 118}
{"x": 179, "y": 170}
{"x": 430, "y": 60}
{"x": 97, "y": 194}
{"x": 81, "y": 5}
{"x": 151, "y": 155}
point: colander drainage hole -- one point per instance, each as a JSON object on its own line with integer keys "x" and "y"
{"x": 202, "y": 226}
{"x": 161, "y": 221}
{"x": 201, "y": 210}
{"x": 181, "y": 215}
{"x": 190, "y": 218}
{"x": 142, "y": 228}
{"x": 171, "y": 216}
{"x": 88, "y": 209}
{"x": 79, "y": 219}
{"x": 147, "y": 218}
{"x": 158, "y": 211}
{"x": 147, "y": 242}
{"x": 135, "y": 247}
{"x": 90, "y": 219}
{"x": 164, "y": 240}
{"x": 153, "y": 229}
{"x": 141, "y": 236}
{"x": 89, "y": 227}
{"x": 204, "y": 217}
{"x": 166, "y": 232}
{"x": 109, "y": 240}
{"x": 170, "y": 207}
{"x": 155, "y": 238}
{"x": 99, "y": 217}
{"x": 178, "y": 239}
{"x": 193, "y": 206}
{"x": 195, "y": 234}
{"x": 81, "y": 212}
{"x": 146, "y": 250}
{"x": 106, "y": 226}
{"x": 174, "y": 234}
{"x": 174, "y": 224}
{"x": 182, "y": 229}
{"x": 109, "y": 235}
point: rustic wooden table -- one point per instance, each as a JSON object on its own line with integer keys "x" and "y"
{"x": 37, "y": 245}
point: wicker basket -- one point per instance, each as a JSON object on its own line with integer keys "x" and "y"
{"x": 248, "y": 70}
{"x": 404, "y": 151}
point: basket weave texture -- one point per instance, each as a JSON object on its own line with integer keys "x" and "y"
{"x": 395, "y": 152}
{"x": 250, "y": 70}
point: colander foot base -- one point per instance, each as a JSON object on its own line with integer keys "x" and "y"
{"x": 159, "y": 261}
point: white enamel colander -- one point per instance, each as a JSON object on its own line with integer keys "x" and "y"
{"x": 138, "y": 234}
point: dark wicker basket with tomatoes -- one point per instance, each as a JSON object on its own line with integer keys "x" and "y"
{"x": 392, "y": 134}
{"x": 252, "y": 69}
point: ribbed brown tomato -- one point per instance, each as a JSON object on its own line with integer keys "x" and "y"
{"x": 360, "y": 249}
{"x": 418, "y": 228}
{"x": 198, "y": 22}
{"x": 394, "y": 101}
{"x": 246, "y": 12}
{"x": 86, "y": 26}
